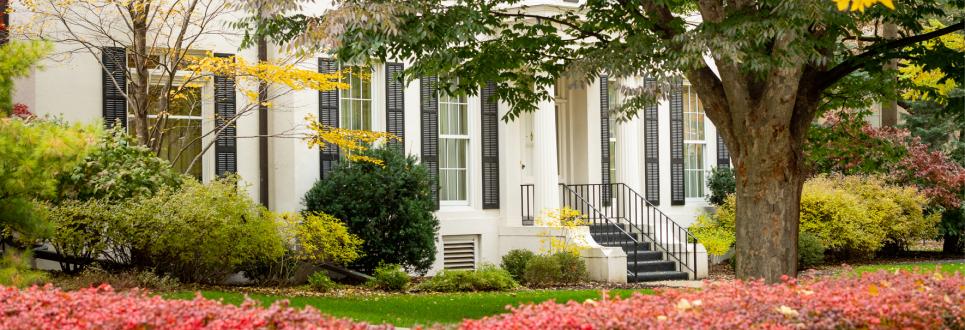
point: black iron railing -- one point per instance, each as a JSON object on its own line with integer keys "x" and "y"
{"x": 620, "y": 203}
{"x": 526, "y": 201}
{"x": 607, "y": 231}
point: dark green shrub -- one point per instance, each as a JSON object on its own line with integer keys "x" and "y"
{"x": 542, "y": 271}
{"x": 486, "y": 278}
{"x": 572, "y": 267}
{"x": 319, "y": 281}
{"x": 810, "y": 250}
{"x": 118, "y": 168}
{"x": 199, "y": 233}
{"x": 388, "y": 206}
{"x": 720, "y": 183}
{"x": 515, "y": 261}
{"x": 390, "y": 278}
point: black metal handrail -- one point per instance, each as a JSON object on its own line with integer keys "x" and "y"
{"x": 526, "y": 199}
{"x": 609, "y": 231}
{"x": 620, "y": 202}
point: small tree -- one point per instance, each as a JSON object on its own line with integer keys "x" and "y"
{"x": 387, "y": 205}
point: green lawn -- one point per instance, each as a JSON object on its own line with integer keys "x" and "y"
{"x": 947, "y": 267}
{"x": 406, "y": 310}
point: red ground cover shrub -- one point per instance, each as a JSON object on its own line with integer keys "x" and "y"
{"x": 103, "y": 308}
{"x": 873, "y": 301}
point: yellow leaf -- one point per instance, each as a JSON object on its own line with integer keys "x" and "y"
{"x": 873, "y": 290}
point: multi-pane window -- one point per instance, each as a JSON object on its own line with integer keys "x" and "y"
{"x": 180, "y": 129}
{"x": 695, "y": 145}
{"x": 453, "y": 148}
{"x": 355, "y": 110}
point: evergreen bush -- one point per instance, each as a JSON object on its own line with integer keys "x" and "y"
{"x": 486, "y": 278}
{"x": 390, "y": 277}
{"x": 720, "y": 183}
{"x": 515, "y": 261}
{"x": 319, "y": 281}
{"x": 387, "y": 205}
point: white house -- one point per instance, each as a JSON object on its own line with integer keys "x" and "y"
{"x": 640, "y": 182}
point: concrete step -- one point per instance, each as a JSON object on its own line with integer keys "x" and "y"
{"x": 607, "y": 227}
{"x": 650, "y": 266}
{"x": 657, "y": 276}
{"x": 643, "y": 255}
{"x": 615, "y": 236}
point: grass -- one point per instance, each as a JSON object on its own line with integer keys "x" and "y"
{"x": 407, "y": 310}
{"x": 945, "y": 267}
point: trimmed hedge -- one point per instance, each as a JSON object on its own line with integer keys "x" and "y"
{"x": 103, "y": 308}
{"x": 880, "y": 300}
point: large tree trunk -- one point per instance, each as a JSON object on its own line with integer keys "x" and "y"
{"x": 139, "y": 93}
{"x": 769, "y": 182}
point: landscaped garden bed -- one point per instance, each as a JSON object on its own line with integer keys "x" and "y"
{"x": 879, "y": 300}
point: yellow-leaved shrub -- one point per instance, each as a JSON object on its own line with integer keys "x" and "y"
{"x": 851, "y": 216}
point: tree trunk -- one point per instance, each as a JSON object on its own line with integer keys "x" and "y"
{"x": 953, "y": 245}
{"x": 139, "y": 93}
{"x": 768, "y": 195}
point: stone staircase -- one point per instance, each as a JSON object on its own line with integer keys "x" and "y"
{"x": 644, "y": 263}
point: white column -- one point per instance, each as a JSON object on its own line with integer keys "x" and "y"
{"x": 545, "y": 157}
{"x": 627, "y": 149}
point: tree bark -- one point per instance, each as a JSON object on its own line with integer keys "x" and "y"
{"x": 139, "y": 93}
{"x": 769, "y": 182}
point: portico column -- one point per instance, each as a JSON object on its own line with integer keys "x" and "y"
{"x": 546, "y": 172}
{"x": 628, "y": 151}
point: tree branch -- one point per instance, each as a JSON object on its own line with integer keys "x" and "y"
{"x": 856, "y": 62}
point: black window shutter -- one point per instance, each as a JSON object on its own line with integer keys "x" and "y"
{"x": 677, "y": 144}
{"x": 430, "y": 132}
{"x": 490, "y": 147}
{"x": 395, "y": 104}
{"x": 605, "y": 138}
{"x": 226, "y": 147}
{"x": 328, "y": 116}
{"x": 723, "y": 155}
{"x": 114, "y": 82}
{"x": 651, "y": 149}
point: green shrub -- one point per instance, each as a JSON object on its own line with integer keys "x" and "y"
{"x": 388, "y": 206}
{"x": 515, "y": 261}
{"x": 15, "y": 270}
{"x": 199, "y": 233}
{"x": 80, "y": 231}
{"x": 810, "y": 251}
{"x": 390, "y": 278}
{"x": 720, "y": 183}
{"x": 118, "y": 168}
{"x": 313, "y": 238}
{"x": 319, "y": 281}
{"x": 851, "y": 216}
{"x": 542, "y": 271}
{"x": 32, "y": 155}
{"x": 486, "y": 278}
{"x": 573, "y": 269}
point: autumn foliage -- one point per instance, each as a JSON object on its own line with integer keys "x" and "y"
{"x": 103, "y": 308}
{"x": 872, "y": 301}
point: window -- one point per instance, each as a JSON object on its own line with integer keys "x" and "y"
{"x": 453, "y": 148}
{"x": 355, "y": 110}
{"x": 180, "y": 129}
{"x": 695, "y": 145}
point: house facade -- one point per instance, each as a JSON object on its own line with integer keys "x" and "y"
{"x": 639, "y": 182}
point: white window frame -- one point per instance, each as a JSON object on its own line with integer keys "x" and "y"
{"x": 694, "y": 108}
{"x": 445, "y": 100}
{"x": 156, "y": 78}
{"x": 344, "y": 114}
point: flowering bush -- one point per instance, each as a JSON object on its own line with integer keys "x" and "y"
{"x": 103, "y": 308}
{"x": 873, "y": 301}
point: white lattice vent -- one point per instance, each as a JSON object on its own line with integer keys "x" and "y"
{"x": 460, "y": 251}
